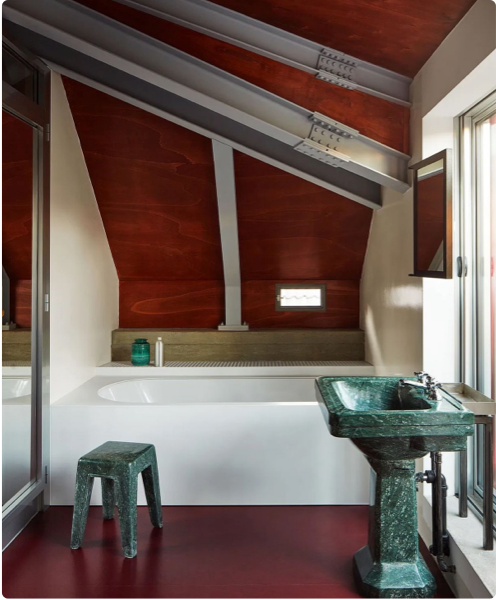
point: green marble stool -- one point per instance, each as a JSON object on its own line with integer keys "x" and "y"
{"x": 118, "y": 464}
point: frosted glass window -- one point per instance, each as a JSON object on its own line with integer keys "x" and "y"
{"x": 300, "y": 297}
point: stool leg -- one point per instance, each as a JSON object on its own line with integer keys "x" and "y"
{"x": 108, "y": 498}
{"x": 152, "y": 492}
{"x": 127, "y": 499}
{"x": 84, "y": 487}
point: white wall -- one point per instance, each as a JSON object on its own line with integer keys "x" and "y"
{"x": 83, "y": 281}
{"x": 391, "y": 301}
{"x": 409, "y": 322}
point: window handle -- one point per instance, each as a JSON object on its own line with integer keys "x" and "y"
{"x": 461, "y": 266}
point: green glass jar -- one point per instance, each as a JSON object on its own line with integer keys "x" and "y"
{"x": 140, "y": 353}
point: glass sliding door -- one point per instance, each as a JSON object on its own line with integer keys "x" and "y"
{"x": 25, "y": 327}
{"x": 18, "y": 402}
{"x": 478, "y": 286}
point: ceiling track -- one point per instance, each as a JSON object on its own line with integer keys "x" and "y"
{"x": 100, "y": 48}
{"x": 327, "y": 64}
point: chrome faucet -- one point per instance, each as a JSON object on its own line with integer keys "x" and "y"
{"x": 425, "y": 382}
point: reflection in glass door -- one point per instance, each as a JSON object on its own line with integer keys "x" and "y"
{"x": 25, "y": 287}
{"x": 18, "y": 407}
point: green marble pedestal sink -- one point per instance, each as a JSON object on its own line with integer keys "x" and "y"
{"x": 392, "y": 425}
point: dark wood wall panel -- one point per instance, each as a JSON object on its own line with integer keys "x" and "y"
{"x": 292, "y": 229}
{"x": 17, "y": 211}
{"x": 342, "y": 311}
{"x": 383, "y": 121}
{"x": 166, "y": 304}
{"x": 395, "y": 34}
{"x": 155, "y": 186}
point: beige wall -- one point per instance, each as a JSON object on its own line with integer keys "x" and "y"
{"x": 84, "y": 284}
{"x": 391, "y": 301}
{"x": 409, "y": 322}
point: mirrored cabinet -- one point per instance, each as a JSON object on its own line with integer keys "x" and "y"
{"x": 432, "y": 201}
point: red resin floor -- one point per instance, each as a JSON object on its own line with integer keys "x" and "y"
{"x": 202, "y": 552}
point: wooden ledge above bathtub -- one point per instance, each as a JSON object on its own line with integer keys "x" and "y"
{"x": 253, "y": 345}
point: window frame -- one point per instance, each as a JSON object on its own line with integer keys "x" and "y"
{"x": 301, "y": 286}
{"x": 471, "y": 361}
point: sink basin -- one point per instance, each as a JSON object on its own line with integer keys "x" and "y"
{"x": 392, "y": 425}
{"x": 385, "y": 420}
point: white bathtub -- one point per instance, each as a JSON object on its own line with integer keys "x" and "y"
{"x": 208, "y": 391}
{"x": 219, "y": 440}
{"x": 16, "y": 388}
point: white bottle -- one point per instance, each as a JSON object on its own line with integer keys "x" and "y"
{"x": 159, "y": 352}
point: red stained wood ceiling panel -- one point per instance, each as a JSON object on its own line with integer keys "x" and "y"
{"x": 292, "y": 229}
{"x": 396, "y": 34}
{"x": 154, "y": 183}
{"x": 376, "y": 118}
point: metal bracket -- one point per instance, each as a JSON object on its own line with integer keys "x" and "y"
{"x": 243, "y": 327}
{"x": 321, "y": 152}
{"x": 337, "y": 68}
{"x": 320, "y": 120}
{"x": 325, "y": 140}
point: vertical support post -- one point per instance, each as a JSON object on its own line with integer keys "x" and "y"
{"x": 228, "y": 222}
{"x": 463, "y": 492}
{"x": 487, "y": 500}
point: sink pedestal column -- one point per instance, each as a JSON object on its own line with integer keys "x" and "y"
{"x": 390, "y": 566}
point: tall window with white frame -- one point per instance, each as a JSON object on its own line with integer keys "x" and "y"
{"x": 478, "y": 283}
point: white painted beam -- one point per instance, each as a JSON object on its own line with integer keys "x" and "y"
{"x": 228, "y": 223}
{"x": 240, "y": 30}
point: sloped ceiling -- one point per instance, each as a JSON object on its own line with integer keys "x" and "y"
{"x": 291, "y": 230}
{"x": 396, "y": 34}
{"x": 380, "y": 120}
{"x": 154, "y": 184}
{"x": 154, "y": 181}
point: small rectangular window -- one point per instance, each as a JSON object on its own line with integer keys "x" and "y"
{"x": 301, "y": 297}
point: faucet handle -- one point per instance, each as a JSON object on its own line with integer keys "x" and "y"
{"x": 421, "y": 375}
{"x": 432, "y": 387}
{"x": 432, "y": 381}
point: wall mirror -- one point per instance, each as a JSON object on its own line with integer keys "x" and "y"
{"x": 432, "y": 218}
{"x": 18, "y": 180}
{"x": 25, "y": 287}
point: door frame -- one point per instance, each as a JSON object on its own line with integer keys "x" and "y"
{"x": 36, "y": 113}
